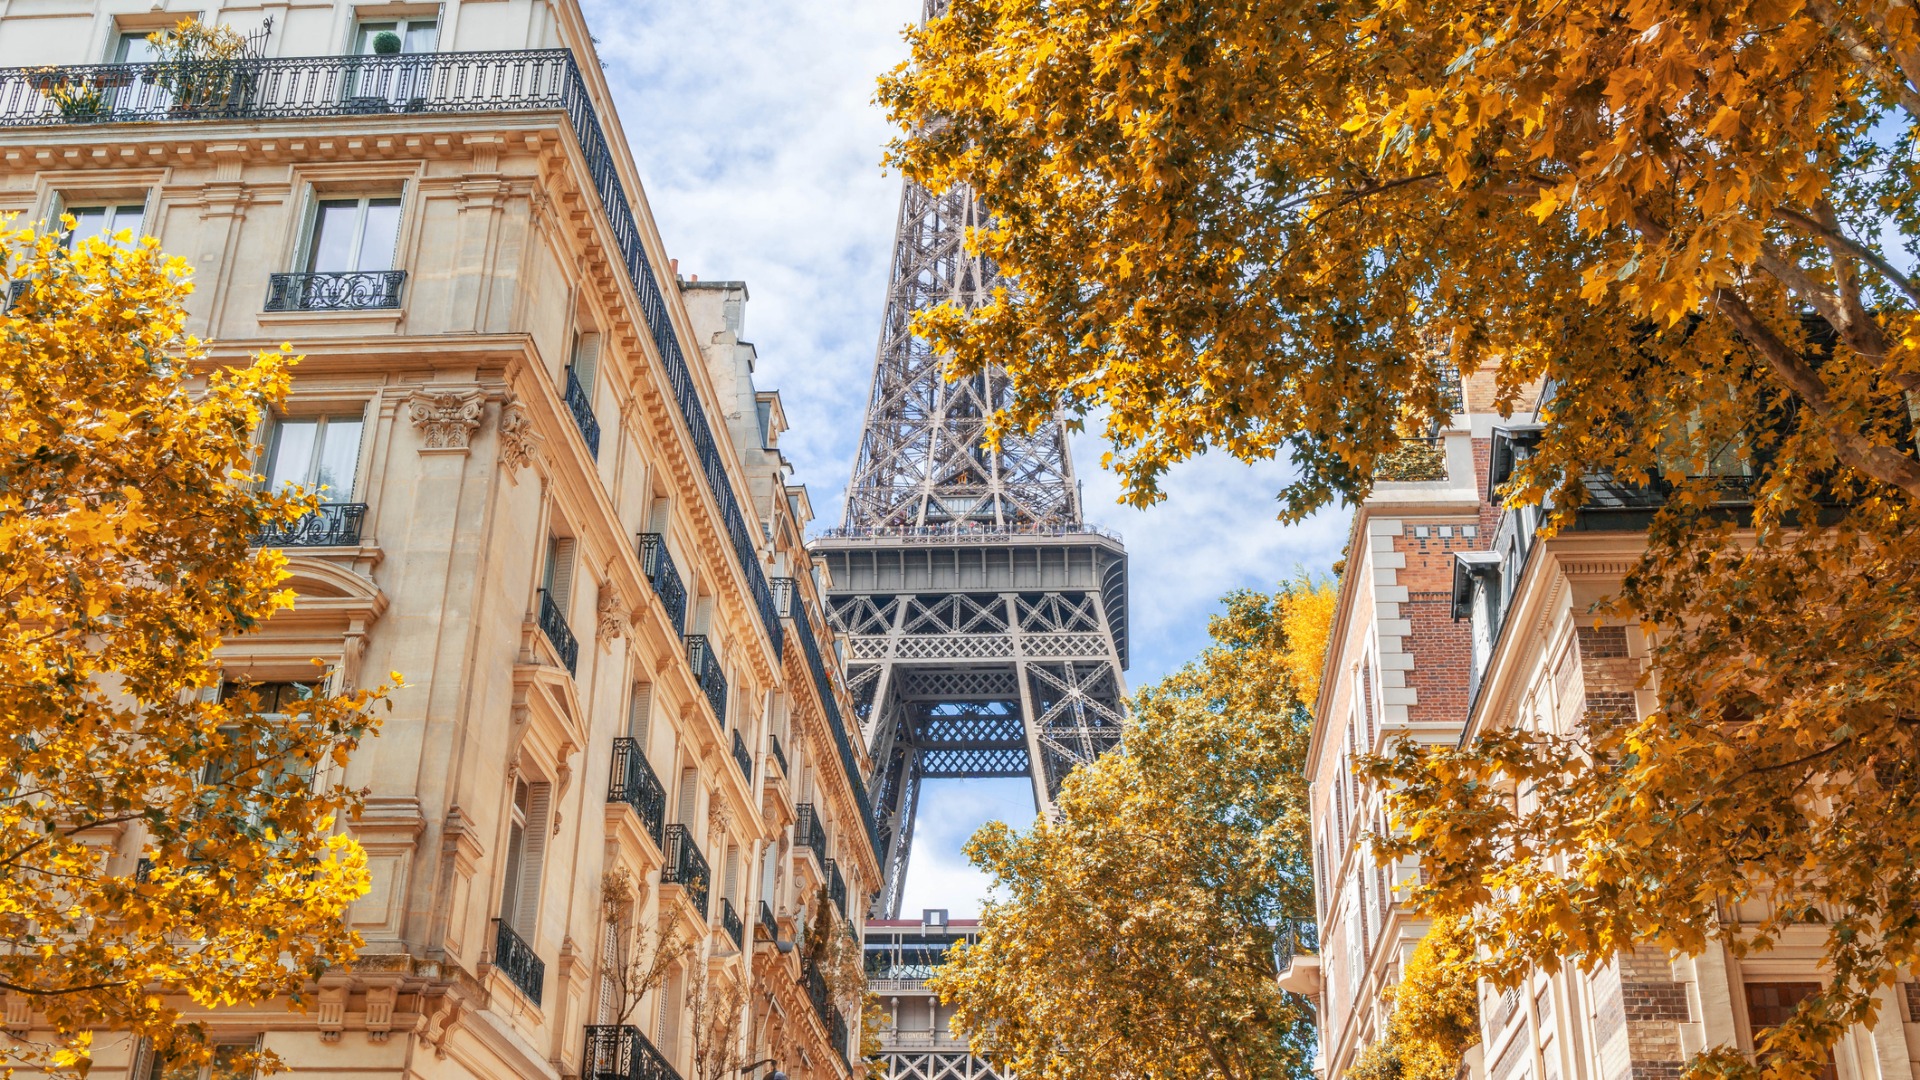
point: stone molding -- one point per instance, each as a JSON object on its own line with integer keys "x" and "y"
{"x": 447, "y": 420}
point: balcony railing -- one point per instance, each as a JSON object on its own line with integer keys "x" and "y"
{"x": 635, "y": 784}
{"x": 553, "y": 623}
{"x": 582, "y": 410}
{"x": 823, "y": 1007}
{"x": 767, "y": 922}
{"x": 836, "y": 887}
{"x": 830, "y": 705}
{"x": 657, "y": 562}
{"x": 686, "y": 867}
{"x": 515, "y": 959}
{"x": 449, "y": 82}
{"x": 622, "y": 1053}
{"x": 730, "y": 922}
{"x": 329, "y": 525}
{"x": 741, "y": 757}
{"x": 808, "y": 834}
{"x": 706, "y": 672}
{"x": 779, "y": 755}
{"x": 355, "y": 290}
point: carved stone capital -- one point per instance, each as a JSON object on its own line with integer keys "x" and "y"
{"x": 519, "y": 443}
{"x": 448, "y": 420}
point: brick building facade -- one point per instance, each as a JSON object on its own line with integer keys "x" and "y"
{"x": 1454, "y": 617}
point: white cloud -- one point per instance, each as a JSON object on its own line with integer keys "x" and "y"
{"x": 759, "y": 143}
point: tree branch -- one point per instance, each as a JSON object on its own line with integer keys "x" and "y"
{"x": 1883, "y": 463}
{"x": 1833, "y": 237}
{"x": 1841, "y": 27}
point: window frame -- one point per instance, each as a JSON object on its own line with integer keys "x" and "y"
{"x": 357, "y": 33}
{"x": 321, "y": 417}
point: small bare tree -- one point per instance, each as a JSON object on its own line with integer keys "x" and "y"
{"x": 643, "y": 958}
{"x": 719, "y": 1017}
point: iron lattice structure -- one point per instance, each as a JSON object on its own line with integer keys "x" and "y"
{"x": 985, "y": 622}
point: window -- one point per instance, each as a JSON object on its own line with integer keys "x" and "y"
{"x": 585, "y": 363}
{"x": 689, "y": 793}
{"x": 275, "y": 698}
{"x": 105, "y": 221}
{"x": 353, "y": 235}
{"x": 639, "y": 713}
{"x": 416, "y": 35}
{"x": 1771, "y": 1004}
{"x": 318, "y": 454}
{"x": 132, "y": 47}
{"x": 526, "y": 851}
{"x": 557, "y": 578}
{"x": 227, "y": 1064}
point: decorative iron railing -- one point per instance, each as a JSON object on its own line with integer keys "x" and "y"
{"x": 767, "y": 922}
{"x": 409, "y": 83}
{"x": 657, "y": 562}
{"x": 622, "y": 1053}
{"x": 779, "y": 755}
{"x": 635, "y": 784}
{"x": 516, "y": 960}
{"x": 686, "y": 867}
{"x": 741, "y": 757}
{"x": 329, "y": 525}
{"x": 730, "y": 922}
{"x": 830, "y": 705}
{"x": 583, "y": 418}
{"x": 834, "y": 1024}
{"x": 347, "y": 290}
{"x": 836, "y": 887}
{"x": 808, "y": 834}
{"x": 553, "y": 623}
{"x": 706, "y": 672}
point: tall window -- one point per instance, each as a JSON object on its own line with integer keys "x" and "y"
{"x": 557, "y": 578}
{"x": 416, "y": 35}
{"x": 584, "y": 364}
{"x": 104, "y": 221}
{"x": 526, "y": 851}
{"x": 226, "y": 1064}
{"x": 640, "y": 713}
{"x": 353, "y": 234}
{"x": 315, "y": 453}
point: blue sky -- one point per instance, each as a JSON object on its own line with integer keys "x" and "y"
{"x": 759, "y": 144}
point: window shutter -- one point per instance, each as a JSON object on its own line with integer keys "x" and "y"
{"x": 532, "y": 854}
{"x": 611, "y": 977}
{"x": 732, "y": 892}
{"x": 640, "y": 713}
{"x": 586, "y": 362}
{"x": 689, "y": 788}
{"x": 668, "y": 1026}
{"x": 769, "y": 866}
{"x": 560, "y": 571}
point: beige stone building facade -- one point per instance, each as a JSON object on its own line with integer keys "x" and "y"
{"x": 1455, "y": 618}
{"x": 554, "y": 501}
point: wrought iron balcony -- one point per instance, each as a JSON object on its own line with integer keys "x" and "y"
{"x": 635, "y": 784}
{"x": 836, "y": 887}
{"x": 329, "y": 525}
{"x": 686, "y": 867}
{"x": 553, "y": 623}
{"x": 515, "y": 959}
{"x": 808, "y": 834}
{"x": 657, "y": 563}
{"x": 730, "y": 922}
{"x": 706, "y": 672}
{"x": 354, "y": 290}
{"x": 779, "y": 755}
{"x": 830, "y": 705}
{"x": 582, "y": 411}
{"x": 308, "y": 87}
{"x": 622, "y": 1053}
{"x": 741, "y": 757}
{"x": 767, "y": 922}
{"x": 834, "y": 1024}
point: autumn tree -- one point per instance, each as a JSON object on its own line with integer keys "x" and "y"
{"x": 1435, "y": 1014}
{"x": 1283, "y": 228}
{"x": 162, "y": 845}
{"x": 1133, "y": 935}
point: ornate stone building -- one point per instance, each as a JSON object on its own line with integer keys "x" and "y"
{"x": 1455, "y": 618}
{"x": 554, "y": 501}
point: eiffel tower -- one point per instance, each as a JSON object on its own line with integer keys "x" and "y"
{"x": 986, "y": 622}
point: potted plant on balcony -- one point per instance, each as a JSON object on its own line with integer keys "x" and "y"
{"x": 386, "y": 43}
{"x": 78, "y": 101}
{"x": 198, "y": 65}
